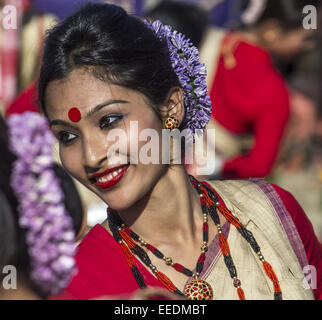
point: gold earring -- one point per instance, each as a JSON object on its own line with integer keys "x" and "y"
{"x": 171, "y": 123}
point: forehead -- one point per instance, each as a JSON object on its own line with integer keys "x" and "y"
{"x": 83, "y": 90}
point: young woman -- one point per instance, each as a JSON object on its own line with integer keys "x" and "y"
{"x": 104, "y": 73}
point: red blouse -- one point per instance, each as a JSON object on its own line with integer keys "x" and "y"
{"x": 103, "y": 270}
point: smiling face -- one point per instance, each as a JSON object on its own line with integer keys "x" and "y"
{"x": 83, "y": 145}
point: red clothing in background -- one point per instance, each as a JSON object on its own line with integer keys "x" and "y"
{"x": 249, "y": 96}
{"x": 26, "y": 101}
{"x": 103, "y": 270}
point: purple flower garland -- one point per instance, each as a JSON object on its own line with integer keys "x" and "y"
{"x": 49, "y": 231}
{"x": 191, "y": 74}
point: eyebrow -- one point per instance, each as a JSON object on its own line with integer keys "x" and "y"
{"x": 89, "y": 113}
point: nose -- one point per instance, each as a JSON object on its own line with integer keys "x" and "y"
{"x": 94, "y": 152}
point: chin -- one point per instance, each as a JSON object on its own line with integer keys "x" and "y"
{"x": 120, "y": 198}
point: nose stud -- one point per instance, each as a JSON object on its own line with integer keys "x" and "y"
{"x": 74, "y": 114}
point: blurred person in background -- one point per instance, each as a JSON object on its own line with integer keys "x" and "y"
{"x": 250, "y": 96}
{"x": 187, "y": 18}
{"x": 38, "y": 17}
{"x": 21, "y": 47}
{"x": 63, "y": 8}
{"x": 299, "y": 164}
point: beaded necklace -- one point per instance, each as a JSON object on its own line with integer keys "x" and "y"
{"x": 197, "y": 289}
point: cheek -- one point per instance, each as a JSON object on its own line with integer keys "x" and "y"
{"x": 71, "y": 160}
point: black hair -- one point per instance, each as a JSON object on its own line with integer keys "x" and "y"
{"x": 72, "y": 200}
{"x": 116, "y": 47}
{"x": 288, "y": 13}
{"x": 7, "y": 232}
{"x": 187, "y": 18}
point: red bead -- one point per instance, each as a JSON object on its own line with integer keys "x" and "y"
{"x": 178, "y": 267}
{"x": 237, "y": 283}
{"x": 150, "y": 247}
{"x": 127, "y": 230}
{"x": 202, "y": 257}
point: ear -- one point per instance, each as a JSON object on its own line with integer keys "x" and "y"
{"x": 173, "y": 106}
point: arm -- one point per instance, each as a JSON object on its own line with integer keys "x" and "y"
{"x": 268, "y": 124}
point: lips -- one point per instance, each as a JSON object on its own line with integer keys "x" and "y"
{"x": 110, "y": 177}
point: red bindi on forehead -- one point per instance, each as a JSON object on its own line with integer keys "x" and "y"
{"x": 74, "y": 114}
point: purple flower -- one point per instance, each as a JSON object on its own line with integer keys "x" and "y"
{"x": 191, "y": 74}
{"x": 49, "y": 229}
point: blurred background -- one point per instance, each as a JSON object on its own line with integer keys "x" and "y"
{"x": 264, "y": 77}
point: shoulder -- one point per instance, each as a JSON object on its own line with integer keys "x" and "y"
{"x": 278, "y": 215}
{"x": 96, "y": 250}
{"x": 246, "y": 59}
{"x": 237, "y": 190}
{"x": 243, "y": 50}
{"x": 258, "y": 189}
{"x": 259, "y": 200}
{"x": 97, "y": 264}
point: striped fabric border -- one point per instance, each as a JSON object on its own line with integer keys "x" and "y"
{"x": 285, "y": 220}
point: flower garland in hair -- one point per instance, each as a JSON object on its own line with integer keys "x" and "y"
{"x": 49, "y": 231}
{"x": 191, "y": 74}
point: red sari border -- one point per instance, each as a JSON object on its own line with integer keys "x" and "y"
{"x": 285, "y": 220}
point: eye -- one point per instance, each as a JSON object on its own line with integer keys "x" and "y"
{"x": 109, "y": 120}
{"x": 65, "y": 137}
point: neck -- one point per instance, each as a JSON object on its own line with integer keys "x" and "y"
{"x": 170, "y": 212}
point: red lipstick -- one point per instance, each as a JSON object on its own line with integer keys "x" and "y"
{"x": 111, "y": 182}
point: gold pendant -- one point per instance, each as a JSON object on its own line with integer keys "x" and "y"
{"x": 198, "y": 290}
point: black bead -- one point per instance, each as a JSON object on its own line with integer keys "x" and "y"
{"x": 138, "y": 277}
{"x": 115, "y": 219}
{"x": 115, "y": 231}
{"x": 204, "y": 208}
{"x": 250, "y": 238}
{"x": 199, "y": 267}
{"x": 142, "y": 255}
{"x": 278, "y": 296}
{"x": 211, "y": 193}
{"x": 158, "y": 254}
{"x": 214, "y": 215}
{"x": 205, "y": 236}
{"x": 134, "y": 236}
{"x": 230, "y": 265}
{"x": 179, "y": 293}
{"x": 187, "y": 272}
